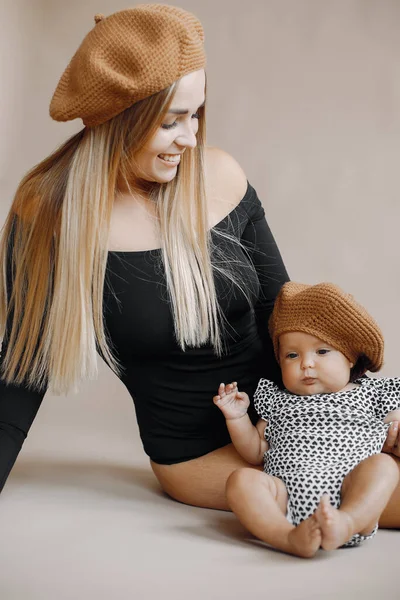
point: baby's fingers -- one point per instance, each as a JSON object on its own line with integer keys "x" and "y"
{"x": 231, "y": 387}
{"x": 217, "y": 399}
{"x": 221, "y": 390}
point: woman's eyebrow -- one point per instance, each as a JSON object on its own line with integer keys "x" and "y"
{"x": 181, "y": 111}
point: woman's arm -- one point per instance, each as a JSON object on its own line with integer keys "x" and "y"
{"x": 229, "y": 187}
{"x": 18, "y": 407}
{"x": 271, "y": 273}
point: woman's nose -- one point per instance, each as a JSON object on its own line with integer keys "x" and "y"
{"x": 187, "y": 138}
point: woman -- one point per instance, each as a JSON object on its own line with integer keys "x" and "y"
{"x": 136, "y": 241}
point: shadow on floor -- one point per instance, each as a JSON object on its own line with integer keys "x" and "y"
{"x": 225, "y": 527}
{"x": 121, "y": 481}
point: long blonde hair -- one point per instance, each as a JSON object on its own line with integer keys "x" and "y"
{"x": 53, "y": 251}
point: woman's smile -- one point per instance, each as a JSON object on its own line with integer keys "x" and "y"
{"x": 171, "y": 160}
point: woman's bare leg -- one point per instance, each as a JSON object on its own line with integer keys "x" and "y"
{"x": 259, "y": 501}
{"x": 365, "y": 493}
{"x": 202, "y": 481}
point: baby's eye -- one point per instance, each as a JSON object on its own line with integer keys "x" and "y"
{"x": 323, "y": 351}
{"x": 291, "y": 355}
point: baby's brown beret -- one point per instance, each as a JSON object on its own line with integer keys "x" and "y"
{"x": 327, "y": 312}
{"x": 128, "y": 56}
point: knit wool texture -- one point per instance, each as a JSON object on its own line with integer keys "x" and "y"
{"x": 128, "y": 56}
{"x": 328, "y": 313}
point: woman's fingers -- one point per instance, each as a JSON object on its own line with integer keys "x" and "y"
{"x": 396, "y": 445}
{"x": 392, "y": 442}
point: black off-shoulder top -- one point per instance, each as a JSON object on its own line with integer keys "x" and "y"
{"x": 172, "y": 389}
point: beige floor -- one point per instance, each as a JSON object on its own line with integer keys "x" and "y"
{"x": 82, "y": 517}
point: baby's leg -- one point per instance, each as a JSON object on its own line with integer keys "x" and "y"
{"x": 365, "y": 493}
{"x": 259, "y": 501}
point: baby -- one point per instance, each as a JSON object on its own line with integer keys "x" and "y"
{"x": 325, "y": 482}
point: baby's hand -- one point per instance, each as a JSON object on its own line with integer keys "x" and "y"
{"x": 233, "y": 404}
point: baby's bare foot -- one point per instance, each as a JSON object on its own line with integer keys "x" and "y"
{"x": 336, "y": 525}
{"x": 305, "y": 539}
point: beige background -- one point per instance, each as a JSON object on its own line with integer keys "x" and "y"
{"x": 306, "y": 95}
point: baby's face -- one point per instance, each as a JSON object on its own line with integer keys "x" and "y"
{"x": 310, "y": 366}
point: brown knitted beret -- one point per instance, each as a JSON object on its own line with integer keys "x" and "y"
{"x": 328, "y": 313}
{"x": 128, "y": 56}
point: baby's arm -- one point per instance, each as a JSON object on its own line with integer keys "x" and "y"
{"x": 248, "y": 440}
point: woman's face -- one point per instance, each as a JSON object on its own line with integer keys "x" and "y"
{"x": 160, "y": 157}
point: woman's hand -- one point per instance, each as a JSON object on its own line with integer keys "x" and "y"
{"x": 233, "y": 404}
{"x": 392, "y": 443}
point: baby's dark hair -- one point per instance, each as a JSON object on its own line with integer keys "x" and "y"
{"x": 360, "y": 368}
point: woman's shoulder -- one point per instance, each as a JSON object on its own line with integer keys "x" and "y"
{"x": 226, "y": 182}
